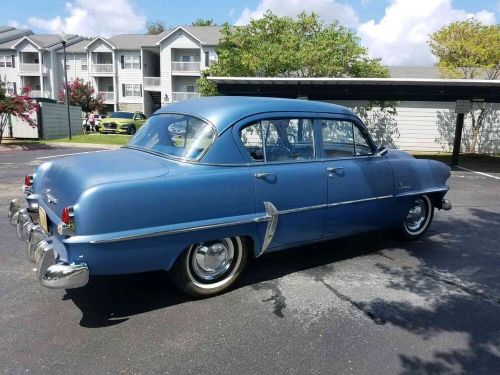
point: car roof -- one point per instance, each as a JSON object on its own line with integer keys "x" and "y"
{"x": 223, "y": 111}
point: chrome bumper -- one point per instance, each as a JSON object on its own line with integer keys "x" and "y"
{"x": 50, "y": 271}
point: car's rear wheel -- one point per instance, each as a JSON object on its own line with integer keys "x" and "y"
{"x": 210, "y": 267}
{"x": 131, "y": 130}
{"x": 418, "y": 219}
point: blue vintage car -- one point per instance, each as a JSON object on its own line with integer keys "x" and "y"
{"x": 207, "y": 184}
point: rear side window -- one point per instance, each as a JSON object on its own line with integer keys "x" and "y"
{"x": 343, "y": 139}
{"x": 278, "y": 140}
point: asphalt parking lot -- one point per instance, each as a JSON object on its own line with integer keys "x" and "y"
{"x": 369, "y": 304}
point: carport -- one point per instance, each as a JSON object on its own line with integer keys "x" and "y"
{"x": 461, "y": 91}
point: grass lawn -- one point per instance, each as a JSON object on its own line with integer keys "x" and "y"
{"x": 95, "y": 138}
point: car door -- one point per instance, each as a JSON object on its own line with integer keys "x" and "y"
{"x": 360, "y": 182}
{"x": 287, "y": 174}
{"x": 139, "y": 119}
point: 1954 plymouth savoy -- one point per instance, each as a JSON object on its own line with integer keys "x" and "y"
{"x": 207, "y": 184}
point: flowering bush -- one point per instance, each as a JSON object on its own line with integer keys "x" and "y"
{"x": 21, "y": 106}
{"x": 83, "y": 95}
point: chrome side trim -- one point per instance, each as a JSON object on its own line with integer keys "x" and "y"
{"x": 359, "y": 200}
{"x": 424, "y": 191}
{"x": 302, "y": 209}
{"x": 181, "y": 230}
{"x": 272, "y": 223}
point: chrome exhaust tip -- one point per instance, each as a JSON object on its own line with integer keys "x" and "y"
{"x": 446, "y": 205}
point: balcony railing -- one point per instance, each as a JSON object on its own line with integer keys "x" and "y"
{"x": 179, "y": 66}
{"x": 180, "y": 96}
{"x": 152, "y": 81}
{"x": 107, "y": 95}
{"x": 39, "y": 94}
{"x": 102, "y": 68}
{"x": 31, "y": 68}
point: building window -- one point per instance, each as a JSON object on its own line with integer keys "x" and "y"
{"x": 190, "y": 88}
{"x": 6, "y": 62}
{"x": 132, "y": 62}
{"x": 84, "y": 63}
{"x": 132, "y": 89}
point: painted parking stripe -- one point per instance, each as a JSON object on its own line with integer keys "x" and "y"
{"x": 481, "y": 173}
{"x": 74, "y": 153}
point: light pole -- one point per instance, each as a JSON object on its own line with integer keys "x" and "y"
{"x": 64, "y": 41}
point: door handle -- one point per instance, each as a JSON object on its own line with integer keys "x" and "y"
{"x": 263, "y": 176}
{"x": 334, "y": 169}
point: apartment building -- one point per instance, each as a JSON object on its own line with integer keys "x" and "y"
{"x": 133, "y": 72}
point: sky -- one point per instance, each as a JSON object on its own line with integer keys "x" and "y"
{"x": 394, "y": 30}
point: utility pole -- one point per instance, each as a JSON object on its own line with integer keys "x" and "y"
{"x": 64, "y": 41}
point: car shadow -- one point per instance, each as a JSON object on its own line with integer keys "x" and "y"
{"x": 111, "y": 300}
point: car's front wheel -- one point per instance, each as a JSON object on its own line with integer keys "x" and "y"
{"x": 210, "y": 267}
{"x": 131, "y": 130}
{"x": 418, "y": 218}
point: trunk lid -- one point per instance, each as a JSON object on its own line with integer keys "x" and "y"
{"x": 65, "y": 179}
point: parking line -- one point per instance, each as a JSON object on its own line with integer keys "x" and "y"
{"x": 75, "y": 153}
{"x": 481, "y": 173}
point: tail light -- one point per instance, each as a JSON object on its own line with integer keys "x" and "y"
{"x": 28, "y": 184}
{"x": 28, "y": 180}
{"x": 65, "y": 216}
{"x": 67, "y": 225}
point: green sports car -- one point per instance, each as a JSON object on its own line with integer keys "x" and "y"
{"x": 122, "y": 122}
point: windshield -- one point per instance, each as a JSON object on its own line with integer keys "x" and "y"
{"x": 179, "y": 136}
{"x": 122, "y": 115}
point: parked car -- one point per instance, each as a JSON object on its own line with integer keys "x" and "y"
{"x": 249, "y": 176}
{"x": 122, "y": 122}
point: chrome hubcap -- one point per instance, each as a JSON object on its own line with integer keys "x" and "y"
{"x": 212, "y": 259}
{"x": 416, "y": 216}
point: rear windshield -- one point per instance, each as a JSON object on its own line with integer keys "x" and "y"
{"x": 122, "y": 115}
{"x": 180, "y": 136}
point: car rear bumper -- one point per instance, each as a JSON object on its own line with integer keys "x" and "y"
{"x": 51, "y": 271}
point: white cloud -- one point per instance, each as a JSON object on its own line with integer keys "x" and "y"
{"x": 94, "y": 17}
{"x": 400, "y": 37}
{"x": 329, "y": 10}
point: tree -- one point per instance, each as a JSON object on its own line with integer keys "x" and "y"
{"x": 21, "y": 106}
{"x": 468, "y": 49}
{"x": 155, "y": 27}
{"x": 287, "y": 47}
{"x": 83, "y": 95}
{"x": 204, "y": 22}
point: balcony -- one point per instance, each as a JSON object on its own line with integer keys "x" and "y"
{"x": 185, "y": 67}
{"x": 32, "y": 68}
{"x": 107, "y": 95}
{"x": 180, "y": 96}
{"x": 152, "y": 83}
{"x": 101, "y": 68}
{"x": 39, "y": 94}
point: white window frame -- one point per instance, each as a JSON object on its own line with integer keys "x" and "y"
{"x": 84, "y": 63}
{"x": 132, "y": 62}
{"x": 5, "y": 61}
{"x": 133, "y": 90}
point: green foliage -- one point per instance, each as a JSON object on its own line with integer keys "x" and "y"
{"x": 21, "y": 106}
{"x": 204, "y": 22}
{"x": 155, "y": 27}
{"x": 285, "y": 47}
{"x": 467, "y": 49}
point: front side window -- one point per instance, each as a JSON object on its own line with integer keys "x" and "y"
{"x": 279, "y": 140}
{"x": 343, "y": 139}
{"x": 179, "y": 136}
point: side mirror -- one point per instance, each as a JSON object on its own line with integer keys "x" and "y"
{"x": 381, "y": 150}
